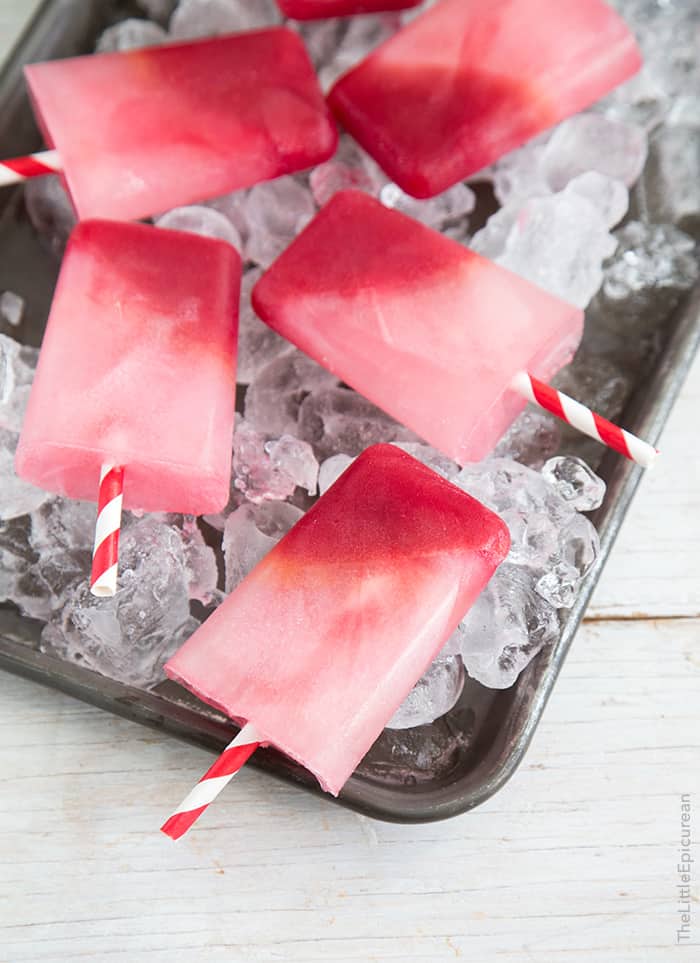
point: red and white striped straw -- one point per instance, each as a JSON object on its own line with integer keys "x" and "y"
{"x": 18, "y": 169}
{"x": 231, "y": 761}
{"x": 105, "y": 555}
{"x": 585, "y": 420}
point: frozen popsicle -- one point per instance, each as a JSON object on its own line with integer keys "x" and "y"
{"x": 137, "y": 370}
{"x": 324, "y": 639}
{"x": 442, "y": 339}
{"x": 469, "y": 80}
{"x": 317, "y": 9}
{"x": 140, "y": 131}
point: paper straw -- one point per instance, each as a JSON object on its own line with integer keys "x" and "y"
{"x": 18, "y": 169}
{"x": 231, "y": 761}
{"x": 105, "y": 556}
{"x": 585, "y": 420}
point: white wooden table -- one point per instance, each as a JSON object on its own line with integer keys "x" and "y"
{"x": 574, "y": 860}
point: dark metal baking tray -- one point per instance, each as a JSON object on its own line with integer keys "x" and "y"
{"x": 479, "y": 744}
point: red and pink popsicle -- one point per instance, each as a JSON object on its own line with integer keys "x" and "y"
{"x": 138, "y": 132}
{"x": 116, "y": 391}
{"x": 358, "y": 599}
{"x": 470, "y": 80}
{"x": 447, "y": 342}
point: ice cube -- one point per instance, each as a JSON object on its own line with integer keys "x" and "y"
{"x": 200, "y": 564}
{"x": 130, "y": 34}
{"x": 431, "y": 457}
{"x": 258, "y": 344}
{"x": 17, "y": 497}
{"x": 197, "y": 219}
{"x": 290, "y": 456}
{"x": 276, "y": 211}
{"x": 204, "y": 18}
{"x": 17, "y": 365}
{"x": 558, "y": 585}
{"x": 60, "y": 535}
{"x": 506, "y": 627}
{"x": 534, "y": 536}
{"x": 232, "y": 206}
{"x": 274, "y": 398}
{"x": 579, "y": 545}
{"x": 520, "y": 175}
{"x": 271, "y": 468}
{"x": 250, "y": 532}
{"x": 63, "y": 525}
{"x": 576, "y": 146}
{"x": 350, "y": 167}
{"x": 435, "y": 693}
{"x": 333, "y": 176}
{"x": 491, "y": 240}
{"x": 362, "y": 34}
{"x": 559, "y": 243}
{"x": 11, "y": 307}
{"x": 553, "y": 548}
{"x": 452, "y": 206}
{"x": 338, "y": 420}
{"x": 607, "y": 195}
{"x": 321, "y": 38}
{"x": 575, "y": 482}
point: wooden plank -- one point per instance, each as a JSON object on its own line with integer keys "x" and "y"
{"x": 573, "y": 860}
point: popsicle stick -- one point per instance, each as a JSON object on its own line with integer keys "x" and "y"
{"x": 231, "y": 761}
{"x": 585, "y": 420}
{"x": 105, "y": 555}
{"x": 18, "y": 169}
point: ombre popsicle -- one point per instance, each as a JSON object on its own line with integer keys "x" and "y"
{"x": 138, "y": 132}
{"x": 116, "y": 387}
{"x": 324, "y": 639}
{"x": 470, "y": 80}
{"x": 442, "y": 339}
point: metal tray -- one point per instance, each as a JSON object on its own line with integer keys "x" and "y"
{"x": 479, "y": 744}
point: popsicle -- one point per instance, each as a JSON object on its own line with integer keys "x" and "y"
{"x": 140, "y": 131}
{"x": 470, "y": 80}
{"x": 137, "y": 370}
{"x": 319, "y": 645}
{"x": 317, "y": 9}
{"x": 447, "y": 342}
